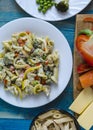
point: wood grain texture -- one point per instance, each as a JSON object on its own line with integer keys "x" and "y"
{"x": 80, "y": 24}
{"x": 10, "y": 115}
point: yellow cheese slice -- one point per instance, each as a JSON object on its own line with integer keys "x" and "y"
{"x": 86, "y": 118}
{"x": 82, "y": 101}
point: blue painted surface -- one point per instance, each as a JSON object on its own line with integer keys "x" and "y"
{"x": 9, "y": 10}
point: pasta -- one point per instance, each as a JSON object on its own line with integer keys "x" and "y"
{"x": 28, "y": 64}
{"x": 50, "y": 121}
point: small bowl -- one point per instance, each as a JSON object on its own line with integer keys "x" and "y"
{"x": 61, "y": 111}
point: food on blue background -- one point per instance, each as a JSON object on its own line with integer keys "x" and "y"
{"x": 84, "y": 44}
{"x": 83, "y": 103}
{"x": 54, "y": 120}
{"x": 85, "y": 98}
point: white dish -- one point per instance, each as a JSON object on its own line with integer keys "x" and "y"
{"x": 40, "y": 28}
{"x": 75, "y": 6}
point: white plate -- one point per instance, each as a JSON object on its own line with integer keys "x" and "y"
{"x": 75, "y": 6}
{"x": 40, "y": 28}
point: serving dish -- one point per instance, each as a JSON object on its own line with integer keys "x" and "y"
{"x": 75, "y": 7}
{"x": 83, "y": 71}
{"x": 54, "y": 114}
{"x": 80, "y": 25}
{"x": 65, "y": 55}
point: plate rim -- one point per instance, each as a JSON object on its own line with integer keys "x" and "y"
{"x": 51, "y": 20}
{"x": 71, "y": 58}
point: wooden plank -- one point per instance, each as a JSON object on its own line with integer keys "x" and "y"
{"x": 80, "y": 24}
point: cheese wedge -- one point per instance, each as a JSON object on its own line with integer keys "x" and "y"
{"x": 82, "y": 101}
{"x": 86, "y": 118}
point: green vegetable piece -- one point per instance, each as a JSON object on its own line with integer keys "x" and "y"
{"x": 63, "y": 5}
{"x": 87, "y": 32}
{"x": 52, "y": 3}
{"x": 44, "y": 56}
{"x": 44, "y": 5}
{"x": 37, "y": 1}
{"x": 35, "y": 82}
{"x": 41, "y": 2}
{"x": 39, "y": 8}
{"x": 46, "y": 8}
{"x": 48, "y": 1}
{"x": 44, "y": 11}
{"x": 1, "y": 68}
{"x": 49, "y": 5}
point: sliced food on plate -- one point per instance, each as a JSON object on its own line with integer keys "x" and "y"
{"x": 83, "y": 71}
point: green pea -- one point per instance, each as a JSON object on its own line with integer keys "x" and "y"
{"x": 45, "y": 4}
{"x": 44, "y": 11}
{"x": 46, "y": 8}
{"x": 53, "y": 3}
{"x": 41, "y": 1}
{"x": 48, "y": 2}
{"x": 45, "y": 1}
{"x": 49, "y": 5}
{"x": 37, "y": 1}
{"x": 39, "y": 8}
{"x": 41, "y": 5}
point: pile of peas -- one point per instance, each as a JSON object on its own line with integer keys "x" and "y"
{"x": 44, "y": 5}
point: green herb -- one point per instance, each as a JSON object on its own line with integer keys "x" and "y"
{"x": 1, "y": 68}
{"x": 44, "y": 56}
{"x": 35, "y": 82}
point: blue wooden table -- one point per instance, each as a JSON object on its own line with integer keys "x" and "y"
{"x": 14, "y": 118}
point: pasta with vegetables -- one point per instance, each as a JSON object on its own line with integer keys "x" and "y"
{"x": 28, "y": 64}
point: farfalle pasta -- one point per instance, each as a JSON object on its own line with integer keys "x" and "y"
{"x": 28, "y": 64}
